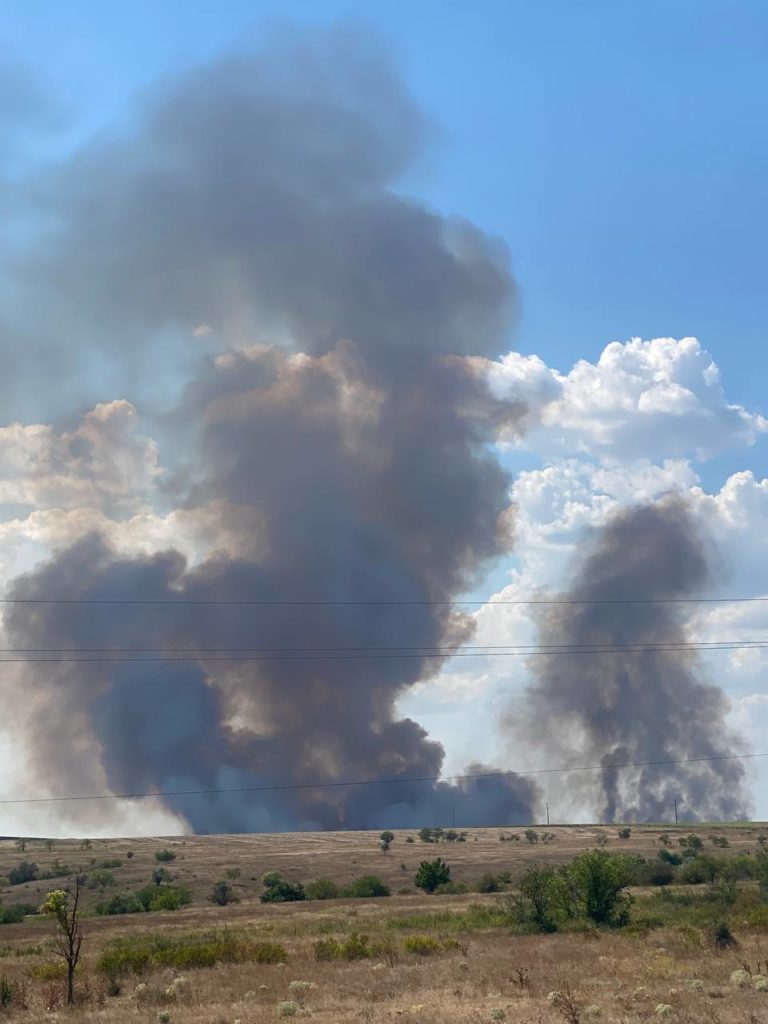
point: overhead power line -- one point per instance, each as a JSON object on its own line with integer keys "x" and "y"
{"x": 381, "y": 782}
{"x": 440, "y": 649}
{"x": 206, "y": 602}
{"x": 202, "y": 655}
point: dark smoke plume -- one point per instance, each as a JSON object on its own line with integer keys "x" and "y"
{"x": 587, "y": 709}
{"x": 350, "y": 459}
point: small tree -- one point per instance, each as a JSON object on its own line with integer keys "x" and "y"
{"x": 432, "y": 873}
{"x": 531, "y": 835}
{"x": 165, "y": 856}
{"x": 534, "y": 907}
{"x": 64, "y": 908}
{"x": 601, "y": 879}
{"x": 387, "y": 838}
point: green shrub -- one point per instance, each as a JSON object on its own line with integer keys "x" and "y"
{"x": 221, "y": 893}
{"x": 120, "y": 903}
{"x": 52, "y": 970}
{"x": 656, "y": 874}
{"x": 489, "y": 883}
{"x": 321, "y": 889}
{"x": 165, "y": 856}
{"x": 353, "y": 947}
{"x": 100, "y": 878}
{"x": 624, "y": 833}
{"x": 283, "y": 892}
{"x": 9, "y": 993}
{"x": 722, "y": 936}
{"x": 107, "y": 865}
{"x": 327, "y": 949}
{"x": 430, "y": 835}
{"x": 692, "y": 842}
{"x": 720, "y": 841}
{"x": 386, "y": 839}
{"x": 15, "y": 914}
{"x": 422, "y": 945}
{"x": 670, "y": 857}
{"x": 600, "y": 879}
{"x": 24, "y": 872}
{"x": 172, "y": 897}
{"x": 140, "y": 954}
{"x": 432, "y": 873}
{"x": 531, "y": 835}
{"x": 539, "y": 900}
{"x": 366, "y": 886}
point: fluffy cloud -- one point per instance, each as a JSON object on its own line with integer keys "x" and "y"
{"x": 659, "y": 399}
{"x": 102, "y": 464}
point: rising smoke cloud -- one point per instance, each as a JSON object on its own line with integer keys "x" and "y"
{"x": 619, "y": 708}
{"x": 343, "y": 434}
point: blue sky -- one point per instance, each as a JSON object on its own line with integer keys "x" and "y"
{"x": 620, "y": 151}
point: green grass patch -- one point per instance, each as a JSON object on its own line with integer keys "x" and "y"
{"x": 145, "y": 953}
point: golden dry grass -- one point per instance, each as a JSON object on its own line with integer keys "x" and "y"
{"x": 613, "y": 976}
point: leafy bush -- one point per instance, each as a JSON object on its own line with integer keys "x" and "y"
{"x": 9, "y": 993}
{"x": 24, "y": 872}
{"x": 221, "y": 894}
{"x": 171, "y": 897}
{"x": 430, "y": 835}
{"x": 100, "y": 878}
{"x": 120, "y": 903}
{"x": 110, "y": 863}
{"x": 601, "y": 879}
{"x": 692, "y": 842}
{"x": 670, "y": 857}
{"x": 16, "y": 913}
{"x": 422, "y": 945}
{"x": 720, "y": 841}
{"x": 270, "y": 878}
{"x": 722, "y": 936}
{"x": 366, "y": 886}
{"x": 165, "y": 856}
{"x": 283, "y": 892}
{"x": 386, "y": 839}
{"x": 161, "y": 876}
{"x": 531, "y": 835}
{"x": 657, "y": 874}
{"x": 321, "y": 889}
{"x": 536, "y": 906}
{"x": 591, "y": 888}
{"x": 624, "y": 833}
{"x": 354, "y": 947}
{"x": 150, "y": 898}
{"x": 432, "y": 873}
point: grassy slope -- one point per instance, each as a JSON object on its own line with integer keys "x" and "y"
{"x": 467, "y": 984}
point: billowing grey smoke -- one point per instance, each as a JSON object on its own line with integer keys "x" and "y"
{"x": 348, "y": 461}
{"x": 618, "y": 708}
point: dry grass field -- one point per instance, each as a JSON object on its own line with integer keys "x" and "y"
{"x": 422, "y": 959}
